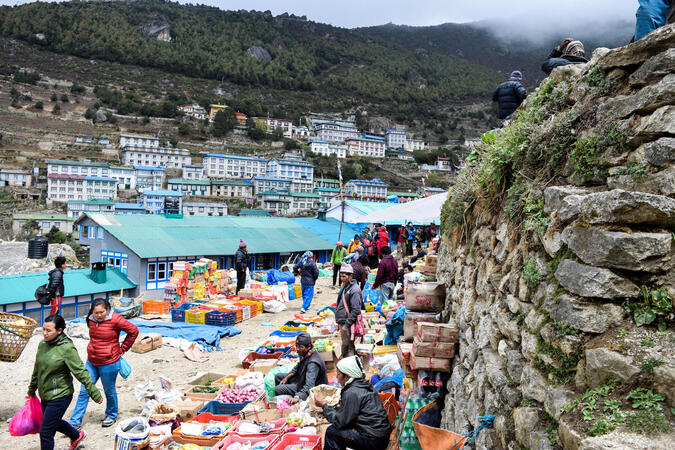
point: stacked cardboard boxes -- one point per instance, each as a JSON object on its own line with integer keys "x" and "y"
{"x": 434, "y": 346}
{"x": 423, "y": 302}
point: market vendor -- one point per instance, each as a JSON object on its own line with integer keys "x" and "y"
{"x": 360, "y": 422}
{"x": 310, "y": 371}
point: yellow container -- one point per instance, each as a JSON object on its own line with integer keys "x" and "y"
{"x": 298, "y": 290}
{"x": 195, "y": 317}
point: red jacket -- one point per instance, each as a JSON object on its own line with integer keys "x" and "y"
{"x": 382, "y": 241}
{"x": 104, "y": 339}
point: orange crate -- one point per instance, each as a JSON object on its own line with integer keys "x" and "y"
{"x": 256, "y": 307}
{"x": 156, "y": 307}
{"x": 192, "y": 316}
{"x": 238, "y": 311}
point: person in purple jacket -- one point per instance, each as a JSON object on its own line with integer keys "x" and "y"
{"x": 387, "y": 274}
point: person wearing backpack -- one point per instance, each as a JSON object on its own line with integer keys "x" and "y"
{"x": 509, "y": 95}
{"x": 103, "y": 357}
{"x": 56, "y": 362}
{"x": 55, "y": 284}
{"x": 339, "y": 253}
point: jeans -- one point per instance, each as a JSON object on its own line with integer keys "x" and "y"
{"x": 650, "y": 15}
{"x": 241, "y": 280}
{"x": 343, "y": 439}
{"x": 348, "y": 348}
{"x": 108, "y": 376}
{"x": 289, "y": 388}
{"x": 307, "y": 296}
{"x": 387, "y": 291}
{"x": 336, "y": 272}
{"x": 52, "y": 421}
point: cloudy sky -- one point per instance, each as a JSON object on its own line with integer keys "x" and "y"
{"x": 358, "y": 13}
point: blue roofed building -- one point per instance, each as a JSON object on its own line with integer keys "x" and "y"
{"x": 130, "y": 208}
{"x": 153, "y": 200}
{"x": 290, "y": 167}
{"x": 149, "y": 177}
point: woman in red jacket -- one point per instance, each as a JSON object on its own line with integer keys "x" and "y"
{"x": 103, "y": 357}
{"x": 382, "y": 240}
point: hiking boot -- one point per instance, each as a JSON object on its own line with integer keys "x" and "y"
{"x": 76, "y": 442}
{"x": 107, "y": 422}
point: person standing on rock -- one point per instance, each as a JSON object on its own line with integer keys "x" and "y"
{"x": 509, "y": 95}
{"x": 241, "y": 260}
{"x": 568, "y": 52}
{"x": 309, "y": 273}
{"x": 348, "y": 308}
{"x": 56, "y": 286}
{"x": 339, "y": 253}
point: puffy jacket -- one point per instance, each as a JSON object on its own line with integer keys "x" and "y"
{"x": 56, "y": 283}
{"x": 387, "y": 271}
{"x": 104, "y": 338}
{"x": 353, "y": 298}
{"x": 510, "y": 94}
{"x": 55, "y": 364}
{"x": 360, "y": 409}
{"x": 240, "y": 260}
{"x": 309, "y": 272}
{"x": 338, "y": 255}
{"x": 557, "y": 59}
{"x": 382, "y": 240}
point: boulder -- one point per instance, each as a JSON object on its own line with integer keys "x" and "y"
{"x": 554, "y": 195}
{"x": 660, "y": 152}
{"x": 637, "y": 251}
{"x": 532, "y": 384}
{"x": 494, "y": 368}
{"x": 525, "y": 420}
{"x": 568, "y": 437}
{"x": 588, "y": 317}
{"x": 661, "y": 121}
{"x": 654, "y": 69}
{"x": 619, "y": 206}
{"x": 660, "y": 183}
{"x": 602, "y": 363}
{"x": 101, "y": 116}
{"x": 664, "y": 382}
{"x": 656, "y": 42}
{"x": 646, "y": 99}
{"x": 514, "y": 364}
{"x": 596, "y": 282}
{"x": 556, "y": 399}
{"x": 259, "y": 53}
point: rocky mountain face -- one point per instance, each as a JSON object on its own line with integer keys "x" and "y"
{"x": 558, "y": 257}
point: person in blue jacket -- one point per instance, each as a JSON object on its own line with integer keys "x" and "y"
{"x": 568, "y": 52}
{"x": 652, "y": 14}
{"x": 309, "y": 272}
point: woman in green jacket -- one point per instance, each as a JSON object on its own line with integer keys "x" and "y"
{"x": 339, "y": 253}
{"x": 56, "y": 362}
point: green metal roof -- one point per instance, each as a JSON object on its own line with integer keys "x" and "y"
{"x": 273, "y": 192}
{"x": 322, "y": 189}
{"x": 254, "y": 212}
{"x": 188, "y": 181}
{"x": 402, "y": 194}
{"x": 43, "y": 217}
{"x": 77, "y": 163}
{"x": 94, "y": 201}
{"x": 304, "y": 194}
{"x": 130, "y": 169}
{"x": 21, "y": 287}
{"x": 231, "y": 183}
{"x": 151, "y": 236}
{"x": 326, "y": 180}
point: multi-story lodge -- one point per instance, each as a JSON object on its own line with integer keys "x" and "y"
{"x": 373, "y": 148}
{"x": 138, "y": 141}
{"x": 335, "y": 131}
{"x": 290, "y": 167}
{"x": 327, "y": 149}
{"x": 233, "y": 166}
{"x": 156, "y": 156}
{"x": 374, "y": 189}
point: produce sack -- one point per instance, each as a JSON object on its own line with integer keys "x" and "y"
{"x": 125, "y": 368}
{"x": 329, "y": 393}
{"x": 425, "y": 296}
{"x": 28, "y": 419}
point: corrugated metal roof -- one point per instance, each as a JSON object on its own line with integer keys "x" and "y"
{"x": 328, "y": 229}
{"x": 188, "y": 181}
{"x": 151, "y": 236}
{"x": 21, "y": 287}
{"x": 39, "y": 216}
{"x": 254, "y": 212}
{"x": 162, "y": 193}
{"x": 77, "y": 163}
{"x": 93, "y": 201}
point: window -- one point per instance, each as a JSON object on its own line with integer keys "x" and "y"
{"x": 152, "y": 271}
{"x": 116, "y": 259}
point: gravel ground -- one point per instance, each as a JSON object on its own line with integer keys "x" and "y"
{"x": 167, "y": 361}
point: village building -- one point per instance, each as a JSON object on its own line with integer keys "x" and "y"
{"x": 326, "y": 148}
{"x": 101, "y": 205}
{"x": 156, "y": 156}
{"x": 198, "y": 188}
{"x": 125, "y": 176}
{"x": 301, "y": 185}
{"x": 412, "y": 144}
{"x": 262, "y": 184}
{"x": 214, "y": 109}
{"x": 130, "y": 208}
{"x": 326, "y": 183}
{"x": 153, "y": 201}
{"x": 149, "y": 177}
{"x": 271, "y": 125}
{"x": 129, "y": 140}
{"x": 194, "y": 172}
{"x": 277, "y": 201}
{"x": 45, "y": 222}
{"x": 290, "y": 167}
{"x": 327, "y": 195}
{"x": 335, "y": 131}
{"x": 374, "y": 189}
{"x": 303, "y": 203}
{"x": 232, "y": 188}
{"x": 301, "y": 132}
{"x": 395, "y": 138}
{"x": 194, "y": 111}
{"x": 16, "y": 177}
{"x": 241, "y": 118}
{"x": 427, "y": 191}
{"x": 204, "y": 209}
{"x": 234, "y": 166}
{"x": 254, "y": 212}
{"x": 366, "y": 147}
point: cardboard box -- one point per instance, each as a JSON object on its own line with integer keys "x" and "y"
{"x": 187, "y": 409}
{"x": 412, "y": 319}
{"x": 437, "y": 332}
{"x": 258, "y": 411}
{"x": 403, "y": 351}
{"x": 431, "y": 260}
{"x": 205, "y": 377}
{"x": 263, "y": 365}
{"x": 425, "y": 296}
{"x": 444, "y": 350}
{"x": 201, "y": 396}
{"x": 423, "y": 363}
{"x": 147, "y": 342}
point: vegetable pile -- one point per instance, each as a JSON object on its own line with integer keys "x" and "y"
{"x": 246, "y": 394}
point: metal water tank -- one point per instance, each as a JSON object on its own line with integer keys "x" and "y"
{"x": 38, "y": 247}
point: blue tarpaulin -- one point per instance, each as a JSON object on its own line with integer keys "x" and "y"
{"x": 274, "y": 276}
{"x": 207, "y": 336}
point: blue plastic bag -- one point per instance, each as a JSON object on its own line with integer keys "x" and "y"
{"x": 125, "y": 368}
{"x": 275, "y": 276}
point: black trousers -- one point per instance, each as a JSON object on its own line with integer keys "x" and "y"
{"x": 52, "y": 421}
{"x": 290, "y": 388}
{"x": 241, "y": 280}
{"x": 336, "y": 272}
{"x": 343, "y": 439}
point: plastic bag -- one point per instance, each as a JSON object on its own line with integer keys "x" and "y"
{"x": 28, "y": 419}
{"x": 125, "y": 368}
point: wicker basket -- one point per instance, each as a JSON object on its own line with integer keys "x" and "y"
{"x": 13, "y": 335}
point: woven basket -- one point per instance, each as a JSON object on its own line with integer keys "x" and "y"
{"x": 13, "y": 335}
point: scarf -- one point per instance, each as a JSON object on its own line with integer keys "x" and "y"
{"x": 307, "y": 256}
{"x": 352, "y": 367}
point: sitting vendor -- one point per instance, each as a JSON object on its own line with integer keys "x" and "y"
{"x": 420, "y": 253}
{"x": 360, "y": 422}
{"x": 310, "y": 371}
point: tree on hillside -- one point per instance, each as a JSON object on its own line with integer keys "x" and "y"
{"x": 223, "y": 122}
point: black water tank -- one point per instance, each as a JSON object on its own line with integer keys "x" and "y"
{"x": 38, "y": 247}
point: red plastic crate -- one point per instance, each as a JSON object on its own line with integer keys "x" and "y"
{"x": 231, "y": 439}
{"x": 246, "y": 363}
{"x": 309, "y": 442}
{"x": 205, "y": 440}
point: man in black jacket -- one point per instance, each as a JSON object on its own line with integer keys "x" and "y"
{"x": 310, "y": 371}
{"x": 56, "y": 284}
{"x": 568, "y": 52}
{"x": 348, "y": 308}
{"x": 360, "y": 422}
{"x": 241, "y": 259}
{"x": 510, "y": 94}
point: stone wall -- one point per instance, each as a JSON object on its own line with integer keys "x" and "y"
{"x": 540, "y": 310}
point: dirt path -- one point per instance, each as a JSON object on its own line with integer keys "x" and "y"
{"x": 167, "y": 361}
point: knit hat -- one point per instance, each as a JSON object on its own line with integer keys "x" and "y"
{"x": 575, "y": 48}
{"x": 346, "y": 268}
{"x": 517, "y": 74}
{"x": 339, "y": 243}
{"x": 303, "y": 339}
{"x": 352, "y": 367}
{"x": 242, "y": 244}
